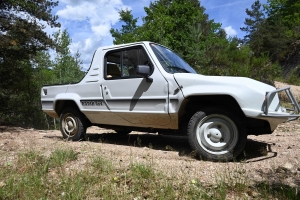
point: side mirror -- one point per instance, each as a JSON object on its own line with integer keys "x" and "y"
{"x": 144, "y": 70}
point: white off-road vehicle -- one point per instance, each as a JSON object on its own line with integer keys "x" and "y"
{"x": 146, "y": 87}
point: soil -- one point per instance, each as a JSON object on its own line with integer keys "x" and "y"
{"x": 273, "y": 158}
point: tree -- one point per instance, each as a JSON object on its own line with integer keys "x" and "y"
{"x": 183, "y": 26}
{"x": 202, "y": 50}
{"x": 289, "y": 13}
{"x": 129, "y": 31}
{"x": 21, "y": 28}
{"x": 277, "y": 36}
{"x": 284, "y": 22}
{"x": 21, "y": 38}
{"x": 171, "y": 23}
{"x": 66, "y": 68}
{"x": 255, "y": 27}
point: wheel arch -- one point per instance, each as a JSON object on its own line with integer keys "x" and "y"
{"x": 194, "y": 103}
{"x": 60, "y": 105}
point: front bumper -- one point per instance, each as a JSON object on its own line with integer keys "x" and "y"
{"x": 289, "y": 114}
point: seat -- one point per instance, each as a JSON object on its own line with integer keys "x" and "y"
{"x": 113, "y": 71}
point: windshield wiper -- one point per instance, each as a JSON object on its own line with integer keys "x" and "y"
{"x": 175, "y": 69}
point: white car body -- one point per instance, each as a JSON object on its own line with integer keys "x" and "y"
{"x": 160, "y": 101}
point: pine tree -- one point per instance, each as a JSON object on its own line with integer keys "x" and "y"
{"x": 129, "y": 31}
{"x": 66, "y": 68}
{"x": 22, "y": 37}
{"x": 255, "y": 27}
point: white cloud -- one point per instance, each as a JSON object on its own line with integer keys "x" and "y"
{"x": 88, "y": 23}
{"x": 230, "y": 31}
{"x": 220, "y": 5}
{"x": 72, "y": 13}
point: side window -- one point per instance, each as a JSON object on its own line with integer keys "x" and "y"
{"x": 130, "y": 61}
{"x": 122, "y": 64}
{"x": 113, "y": 65}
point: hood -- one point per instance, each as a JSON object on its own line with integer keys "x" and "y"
{"x": 187, "y": 80}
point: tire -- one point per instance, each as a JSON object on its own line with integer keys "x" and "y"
{"x": 72, "y": 124}
{"x": 216, "y": 134}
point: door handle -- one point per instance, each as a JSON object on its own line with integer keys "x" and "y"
{"x": 102, "y": 89}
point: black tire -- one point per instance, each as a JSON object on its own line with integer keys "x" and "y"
{"x": 72, "y": 124}
{"x": 216, "y": 134}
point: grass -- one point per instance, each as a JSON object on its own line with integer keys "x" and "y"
{"x": 61, "y": 156}
{"x": 36, "y": 176}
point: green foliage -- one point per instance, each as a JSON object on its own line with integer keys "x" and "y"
{"x": 22, "y": 38}
{"x": 288, "y": 12}
{"x": 22, "y": 35}
{"x": 20, "y": 96}
{"x": 293, "y": 76}
{"x": 25, "y": 63}
{"x": 66, "y": 68}
{"x": 284, "y": 23}
{"x": 168, "y": 22}
{"x": 185, "y": 27}
{"x": 278, "y": 191}
{"x": 129, "y": 31}
{"x": 255, "y": 27}
{"x": 205, "y": 41}
{"x": 61, "y": 156}
{"x": 277, "y": 35}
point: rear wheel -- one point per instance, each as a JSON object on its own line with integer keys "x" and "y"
{"x": 216, "y": 134}
{"x": 72, "y": 124}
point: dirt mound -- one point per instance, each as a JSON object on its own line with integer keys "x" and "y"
{"x": 294, "y": 88}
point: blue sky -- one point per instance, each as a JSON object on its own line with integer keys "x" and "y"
{"x": 89, "y": 21}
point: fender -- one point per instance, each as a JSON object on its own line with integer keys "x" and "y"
{"x": 248, "y": 93}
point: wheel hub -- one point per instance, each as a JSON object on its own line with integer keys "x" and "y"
{"x": 215, "y": 135}
{"x": 70, "y": 125}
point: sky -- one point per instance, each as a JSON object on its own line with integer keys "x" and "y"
{"x": 88, "y": 21}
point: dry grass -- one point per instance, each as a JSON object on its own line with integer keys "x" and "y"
{"x": 34, "y": 176}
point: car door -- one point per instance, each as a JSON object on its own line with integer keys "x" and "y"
{"x": 132, "y": 97}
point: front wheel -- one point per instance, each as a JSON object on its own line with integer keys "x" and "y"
{"x": 72, "y": 124}
{"x": 215, "y": 134}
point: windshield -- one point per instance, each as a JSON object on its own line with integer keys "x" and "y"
{"x": 170, "y": 61}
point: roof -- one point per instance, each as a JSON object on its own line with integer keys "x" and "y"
{"x": 123, "y": 45}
